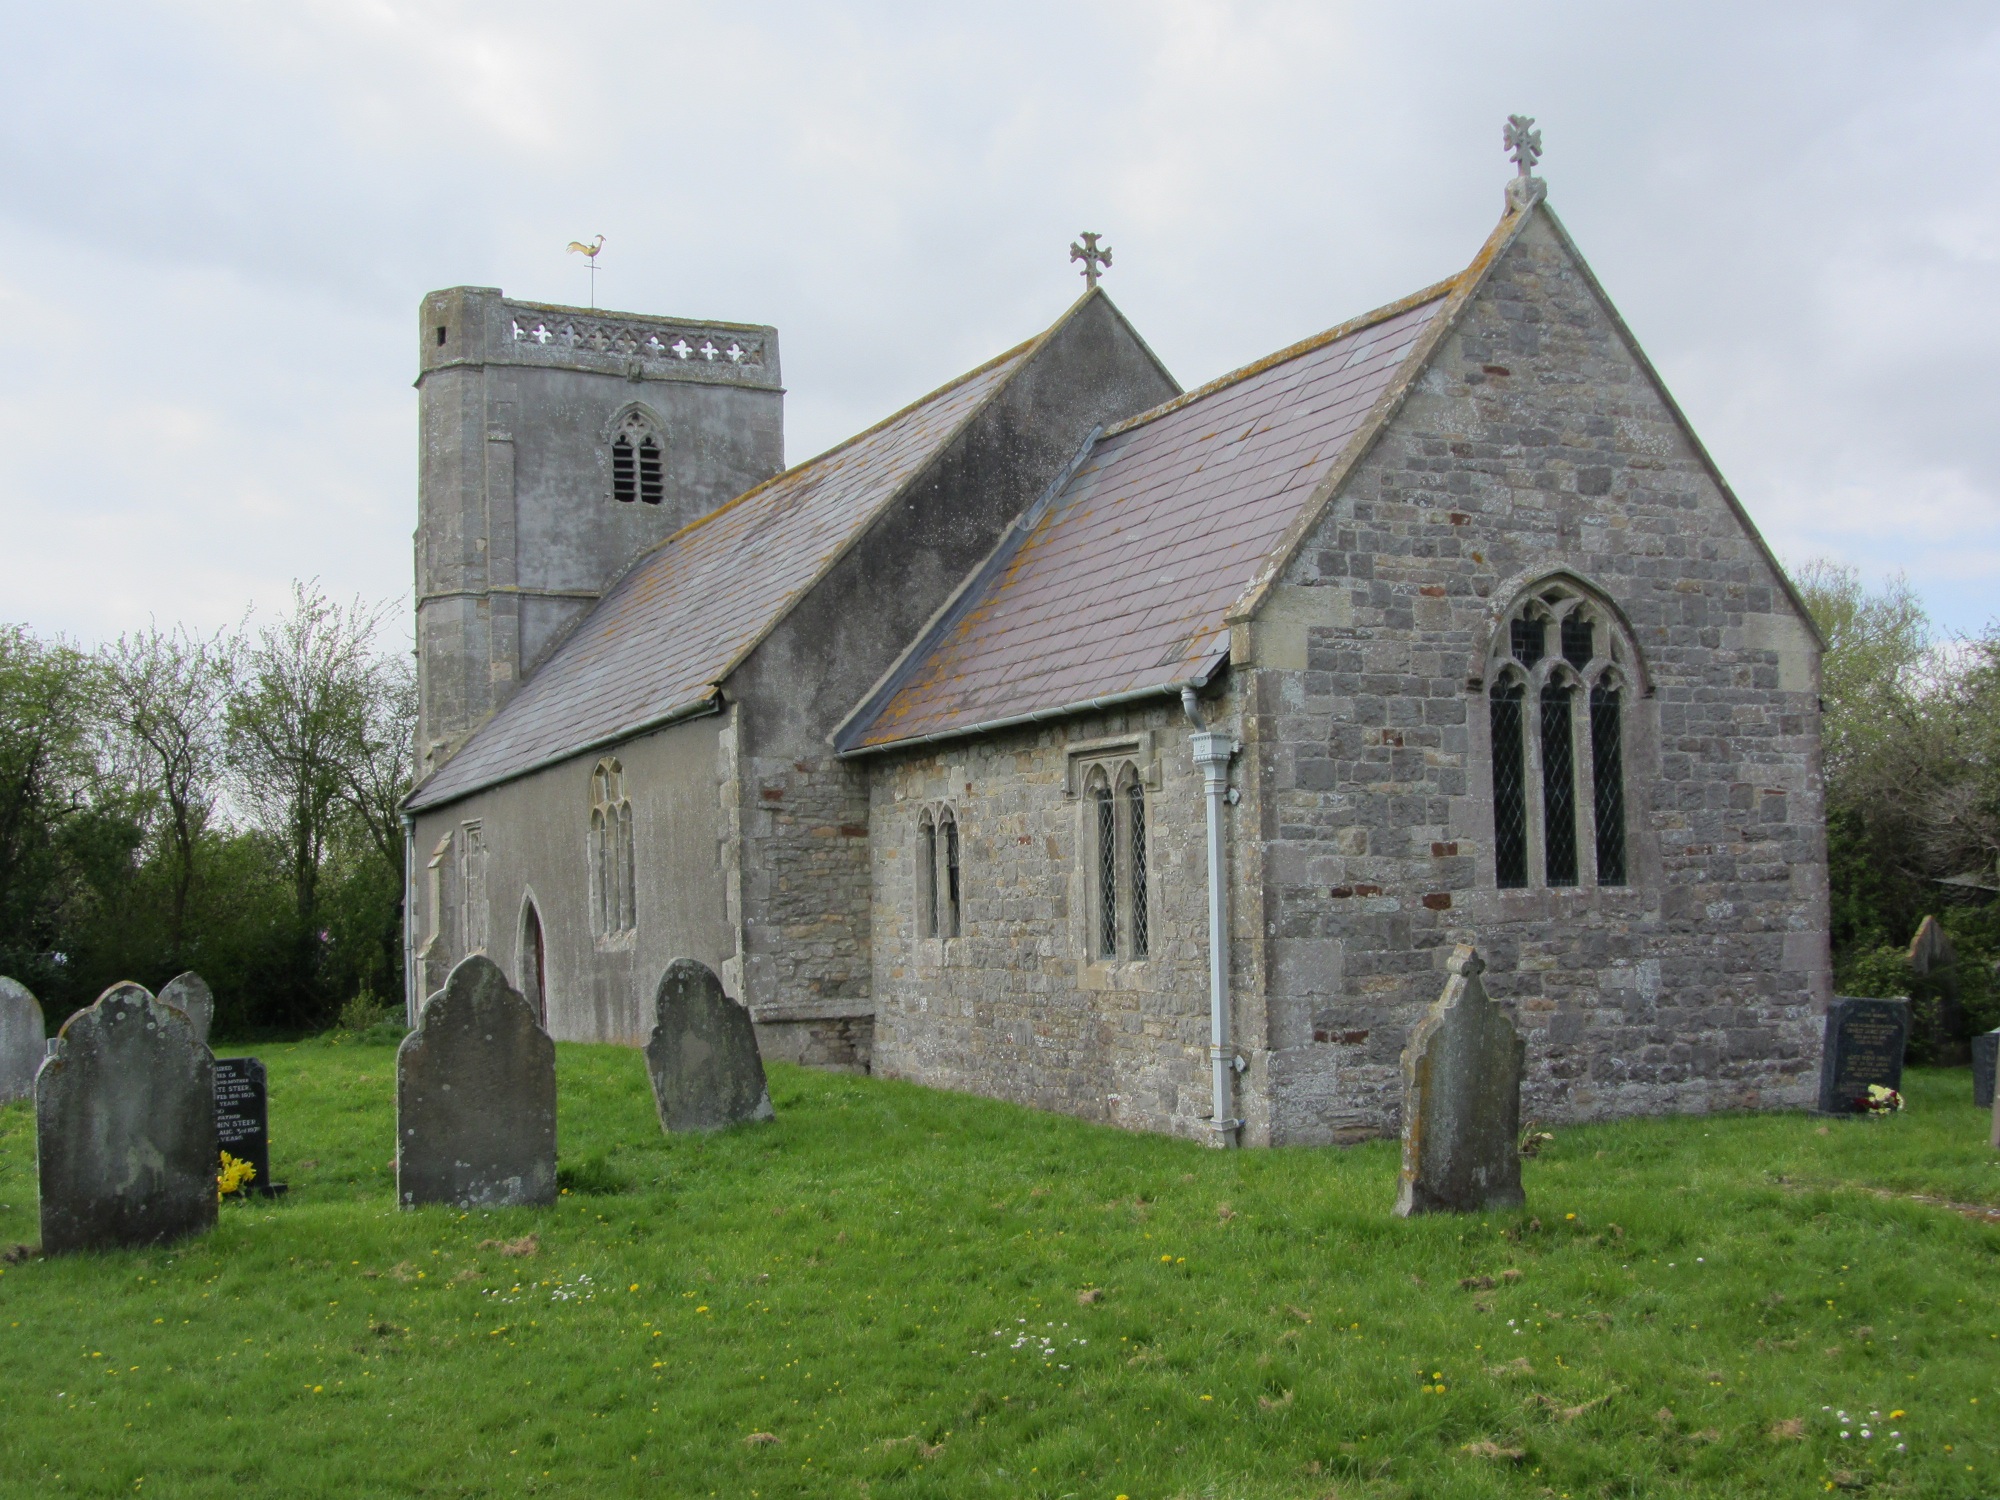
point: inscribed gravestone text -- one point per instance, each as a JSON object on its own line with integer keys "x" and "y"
{"x": 22, "y": 1040}
{"x": 1865, "y": 1040}
{"x": 703, "y": 1058}
{"x": 125, "y": 1126}
{"x": 476, "y": 1097}
{"x": 1462, "y": 1101}
{"x": 243, "y": 1118}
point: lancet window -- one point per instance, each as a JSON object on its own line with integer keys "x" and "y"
{"x": 613, "y": 907}
{"x": 1558, "y": 687}
{"x": 940, "y": 893}
{"x": 1120, "y": 910}
{"x": 638, "y": 462}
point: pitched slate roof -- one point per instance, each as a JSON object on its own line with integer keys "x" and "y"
{"x": 688, "y": 611}
{"x": 1118, "y": 583}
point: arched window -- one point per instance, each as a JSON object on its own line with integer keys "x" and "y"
{"x": 1132, "y": 793}
{"x": 927, "y": 882}
{"x": 638, "y": 460}
{"x": 613, "y": 906}
{"x": 948, "y": 827}
{"x": 1557, "y": 730}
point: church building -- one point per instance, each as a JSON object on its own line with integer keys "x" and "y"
{"x": 1140, "y": 753}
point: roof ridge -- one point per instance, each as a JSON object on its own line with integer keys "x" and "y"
{"x": 1291, "y": 352}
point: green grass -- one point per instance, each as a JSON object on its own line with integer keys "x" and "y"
{"x": 886, "y": 1280}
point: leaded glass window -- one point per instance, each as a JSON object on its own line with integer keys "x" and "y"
{"x": 948, "y": 826}
{"x": 1135, "y": 825}
{"x": 927, "y": 885}
{"x": 1531, "y": 639}
{"x": 1107, "y": 869}
{"x": 1510, "y": 791}
{"x": 1558, "y": 786}
{"x": 1607, "y": 756}
{"x": 1577, "y": 638}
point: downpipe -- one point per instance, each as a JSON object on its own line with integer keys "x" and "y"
{"x": 411, "y": 979}
{"x": 1213, "y": 751}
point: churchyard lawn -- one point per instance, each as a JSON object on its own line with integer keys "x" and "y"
{"x": 895, "y": 1292}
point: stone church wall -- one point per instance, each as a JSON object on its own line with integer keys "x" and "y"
{"x": 1534, "y": 441}
{"x": 1015, "y": 1007}
{"x": 533, "y": 838}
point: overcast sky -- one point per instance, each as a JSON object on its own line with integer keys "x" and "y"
{"x": 216, "y": 222}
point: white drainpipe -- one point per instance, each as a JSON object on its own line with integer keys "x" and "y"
{"x": 1213, "y": 752}
{"x": 412, "y": 980}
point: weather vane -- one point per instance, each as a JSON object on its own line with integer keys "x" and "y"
{"x": 1524, "y": 143}
{"x": 1095, "y": 261}
{"x": 589, "y": 253}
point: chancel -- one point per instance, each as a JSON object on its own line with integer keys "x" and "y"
{"x": 1135, "y": 752}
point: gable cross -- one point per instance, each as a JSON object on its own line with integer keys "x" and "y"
{"x": 1525, "y": 143}
{"x": 1094, "y": 260}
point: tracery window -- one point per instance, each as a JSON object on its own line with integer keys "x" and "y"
{"x": 1558, "y": 740}
{"x": 940, "y": 892}
{"x": 613, "y": 908}
{"x": 1120, "y": 914}
{"x": 638, "y": 459}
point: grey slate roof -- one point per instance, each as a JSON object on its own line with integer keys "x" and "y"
{"x": 1121, "y": 584}
{"x": 686, "y": 613}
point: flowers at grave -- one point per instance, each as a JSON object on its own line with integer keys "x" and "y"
{"x": 1879, "y": 1101}
{"x": 234, "y": 1174}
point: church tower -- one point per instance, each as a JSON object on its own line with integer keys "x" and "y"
{"x": 556, "y": 445}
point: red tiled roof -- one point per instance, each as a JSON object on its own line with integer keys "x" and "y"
{"x": 688, "y": 611}
{"x": 1122, "y": 584}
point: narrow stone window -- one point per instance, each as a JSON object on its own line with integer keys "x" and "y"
{"x": 1607, "y": 756}
{"x": 472, "y": 887}
{"x": 948, "y": 826}
{"x": 624, "y": 484}
{"x": 1135, "y": 833}
{"x": 1558, "y": 786}
{"x": 1510, "y": 784}
{"x": 652, "y": 487}
{"x": 1106, "y": 817}
{"x": 613, "y": 859}
{"x": 927, "y": 883}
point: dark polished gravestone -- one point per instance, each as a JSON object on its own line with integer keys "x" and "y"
{"x": 23, "y": 1041}
{"x": 243, "y": 1119}
{"x": 125, "y": 1127}
{"x": 1985, "y": 1053}
{"x": 703, "y": 1058}
{"x": 476, "y": 1097}
{"x": 191, "y": 993}
{"x": 1865, "y": 1041}
{"x": 1462, "y": 1101}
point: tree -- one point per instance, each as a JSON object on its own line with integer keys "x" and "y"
{"x": 169, "y": 694}
{"x": 298, "y": 726}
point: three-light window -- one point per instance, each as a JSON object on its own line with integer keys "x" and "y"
{"x": 1558, "y": 685}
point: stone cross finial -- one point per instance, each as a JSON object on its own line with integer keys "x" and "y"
{"x": 1524, "y": 143}
{"x": 1095, "y": 261}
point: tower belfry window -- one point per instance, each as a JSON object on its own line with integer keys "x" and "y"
{"x": 638, "y": 463}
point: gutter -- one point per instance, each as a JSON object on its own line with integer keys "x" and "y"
{"x": 1180, "y": 688}
{"x": 1213, "y": 751}
{"x": 710, "y": 702}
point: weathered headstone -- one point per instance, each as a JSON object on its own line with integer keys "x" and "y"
{"x": 22, "y": 1040}
{"x": 1985, "y": 1054}
{"x": 1865, "y": 1041}
{"x": 1462, "y": 1101}
{"x": 703, "y": 1058}
{"x": 243, "y": 1118}
{"x": 476, "y": 1097}
{"x": 1933, "y": 959}
{"x": 191, "y": 993}
{"x": 125, "y": 1126}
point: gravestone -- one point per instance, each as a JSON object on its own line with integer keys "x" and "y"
{"x": 476, "y": 1097}
{"x": 191, "y": 993}
{"x": 1865, "y": 1040}
{"x": 703, "y": 1058}
{"x": 1985, "y": 1053}
{"x": 125, "y": 1126}
{"x": 23, "y": 1042}
{"x": 243, "y": 1118}
{"x": 1932, "y": 958}
{"x": 1462, "y": 1101}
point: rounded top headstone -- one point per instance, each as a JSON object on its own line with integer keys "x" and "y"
{"x": 191, "y": 993}
{"x": 22, "y": 1029}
